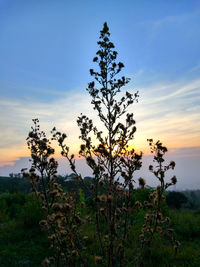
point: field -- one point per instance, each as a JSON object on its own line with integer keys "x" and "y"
{"x": 22, "y": 243}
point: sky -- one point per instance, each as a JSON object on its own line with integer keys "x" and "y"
{"x": 46, "y": 51}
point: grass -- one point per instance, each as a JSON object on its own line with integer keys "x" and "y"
{"x": 23, "y": 244}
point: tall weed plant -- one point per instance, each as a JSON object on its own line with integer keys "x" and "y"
{"x": 113, "y": 162}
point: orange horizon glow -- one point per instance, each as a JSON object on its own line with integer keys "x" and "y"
{"x": 9, "y": 157}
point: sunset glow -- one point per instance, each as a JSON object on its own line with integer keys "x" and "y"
{"x": 47, "y": 51}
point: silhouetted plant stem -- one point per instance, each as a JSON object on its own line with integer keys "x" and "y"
{"x": 113, "y": 164}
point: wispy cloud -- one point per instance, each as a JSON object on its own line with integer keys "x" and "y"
{"x": 168, "y": 111}
{"x": 180, "y": 18}
{"x": 195, "y": 68}
{"x": 155, "y": 25}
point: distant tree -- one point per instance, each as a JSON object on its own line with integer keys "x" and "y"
{"x": 176, "y": 199}
{"x": 17, "y": 175}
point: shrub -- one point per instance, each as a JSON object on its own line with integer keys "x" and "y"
{"x": 31, "y": 214}
{"x": 113, "y": 163}
{"x": 176, "y": 199}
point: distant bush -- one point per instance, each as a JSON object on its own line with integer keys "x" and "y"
{"x": 176, "y": 199}
{"x": 10, "y": 204}
{"x": 14, "y": 185}
{"x": 21, "y": 241}
{"x": 193, "y": 197}
{"x": 31, "y": 214}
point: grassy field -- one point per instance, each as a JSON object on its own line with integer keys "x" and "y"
{"x": 22, "y": 243}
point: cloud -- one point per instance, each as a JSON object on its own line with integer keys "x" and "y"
{"x": 17, "y": 117}
{"x": 155, "y": 26}
{"x": 180, "y": 18}
{"x": 186, "y": 152}
{"x": 168, "y": 111}
{"x": 187, "y": 168}
{"x": 195, "y": 68}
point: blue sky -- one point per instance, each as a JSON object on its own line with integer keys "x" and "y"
{"x": 46, "y": 52}
{"x": 47, "y": 46}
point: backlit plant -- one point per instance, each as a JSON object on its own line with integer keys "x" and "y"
{"x": 113, "y": 162}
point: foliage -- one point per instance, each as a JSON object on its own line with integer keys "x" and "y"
{"x": 20, "y": 246}
{"x": 10, "y": 205}
{"x": 21, "y": 241}
{"x": 176, "y": 199}
{"x": 111, "y": 210}
{"x": 193, "y": 197}
{"x": 155, "y": 220}
{"x": 14, "y": 185}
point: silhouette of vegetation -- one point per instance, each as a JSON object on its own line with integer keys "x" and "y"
{"x": 23, "y": 244}
{"x": 113, "y": 227}
{"x": 176, "y": 199}
{"x": 14, "y": 185}
{"x": 193, "y": 197}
